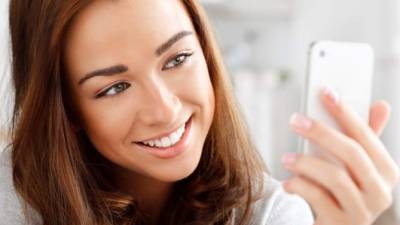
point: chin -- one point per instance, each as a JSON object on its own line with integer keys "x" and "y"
{"x": 170, "y": 178}
{"x": 176, "y": 173}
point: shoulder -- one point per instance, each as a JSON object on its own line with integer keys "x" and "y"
{"x": 277, "y": 207}
{"x": 10, "y": 203}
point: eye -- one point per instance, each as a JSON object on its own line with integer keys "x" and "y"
{"x": 114, "y": 89}
{"x": 177, "y": 60}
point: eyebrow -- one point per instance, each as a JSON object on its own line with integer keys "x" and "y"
{"x": 118, "y": 69}
{"x": 168, "y": 44}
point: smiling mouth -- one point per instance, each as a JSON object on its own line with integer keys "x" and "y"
{"x": 167, "y": 141}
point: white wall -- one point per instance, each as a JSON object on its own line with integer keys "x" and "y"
{"x": 282, "y": 42}
{"x": 372, "y": 21}
{"x": 5, "y": 90}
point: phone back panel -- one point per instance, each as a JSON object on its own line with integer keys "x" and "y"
{"x": 345, "y": 67}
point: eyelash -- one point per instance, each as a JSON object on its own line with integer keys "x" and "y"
{"x": 185, "y": 55}
{"x": 180, "y": 62}
{"x": 104, "y": 93}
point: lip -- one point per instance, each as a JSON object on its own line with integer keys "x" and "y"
{"x": 173, "y": 151}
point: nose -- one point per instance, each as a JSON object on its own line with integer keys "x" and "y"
{"x": 161, "y": 106}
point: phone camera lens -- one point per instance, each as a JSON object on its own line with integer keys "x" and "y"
{"x": 322, "y": 54}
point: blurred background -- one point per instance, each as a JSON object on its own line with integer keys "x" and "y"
{"x": 265, "y": 44}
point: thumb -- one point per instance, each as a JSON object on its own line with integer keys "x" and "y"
{"x": 379, "y": 116}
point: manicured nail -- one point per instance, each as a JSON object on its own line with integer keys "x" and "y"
{"x": 300, "y": 122}
{"x": 331, "y": 94}
{"x": 289, "y": 158}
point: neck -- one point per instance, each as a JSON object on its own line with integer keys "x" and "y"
{"x": 152, "y": 195}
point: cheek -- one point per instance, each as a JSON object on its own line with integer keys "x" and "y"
{"x": 205, "y": 90}
{"x": 198, "y": 93}
{"x": 199, "y": 86}
{"x": 106, "y": 125}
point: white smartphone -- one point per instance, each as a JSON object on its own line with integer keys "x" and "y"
{"x": 345, "y": 67}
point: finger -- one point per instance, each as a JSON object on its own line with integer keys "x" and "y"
{"x": 357, "y": 129}
{"x": 319, "y": 199}
{"x": 374, "y": 188}
{"x": 346, "y": 150}
{"x": 379, "y": 116}
{"x": 334, "y": 179}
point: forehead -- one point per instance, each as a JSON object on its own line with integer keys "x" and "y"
{"x": 106, "y": 27}
{"x": 143, "y": 17}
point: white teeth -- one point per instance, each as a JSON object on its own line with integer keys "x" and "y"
{"x": 174, "y": 138}
{"x": 165, "y": 142}
{"x": 181, "y": 130}
{"x": 151, "y": 143}
{"x": 168, "y": 141}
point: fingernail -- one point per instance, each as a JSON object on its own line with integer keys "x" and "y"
{"x": 331, "y": 94}
{"x": 300, "y": 122}
{"x": 289, "y": 158}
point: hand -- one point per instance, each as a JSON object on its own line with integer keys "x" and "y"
{"x": 357, "y": 193}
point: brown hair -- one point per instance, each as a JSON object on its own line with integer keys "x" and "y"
{"x": 59, "y": 173}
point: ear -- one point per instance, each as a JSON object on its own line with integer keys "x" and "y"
{"x": 72, "y": 114}
{"x": 379, "y": 116}
{"x": 74, "y": 121}
{"x": 75, "y": 127}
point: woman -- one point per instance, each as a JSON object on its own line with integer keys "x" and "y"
{"x": 124, "y": 115}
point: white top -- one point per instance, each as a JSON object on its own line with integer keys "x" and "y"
{"x": 277, "y": 207}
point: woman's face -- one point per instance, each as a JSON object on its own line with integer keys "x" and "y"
{"x": 137, "y": 73}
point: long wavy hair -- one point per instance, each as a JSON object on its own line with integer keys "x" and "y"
{"x": 59, "y": 173}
